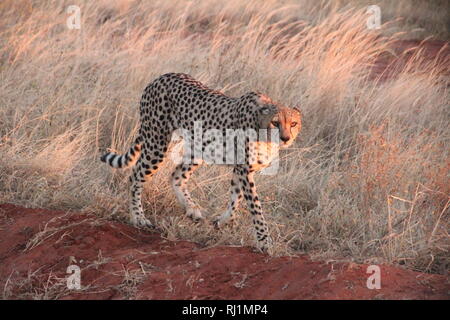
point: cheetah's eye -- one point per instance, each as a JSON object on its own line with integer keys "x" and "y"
{"x": 293, "y": 124}
{"x": 275, "y": 123}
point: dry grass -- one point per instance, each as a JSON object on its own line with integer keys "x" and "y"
{"x": 367, "y": 180}
{"x": 36, "y": 286}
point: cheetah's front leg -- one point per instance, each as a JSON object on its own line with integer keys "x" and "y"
{"x": 263, "y": 240}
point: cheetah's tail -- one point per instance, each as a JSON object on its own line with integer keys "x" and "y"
{"x": 125, "y": 160}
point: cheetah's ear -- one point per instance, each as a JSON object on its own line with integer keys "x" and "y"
{"x": 268, "y": 110}
{"x": 265, "y": 110}
{"x": 297, "y": 108}
{"x": 265, "y": 115}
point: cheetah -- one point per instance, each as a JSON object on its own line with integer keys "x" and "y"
{"x": 177, "y": 101}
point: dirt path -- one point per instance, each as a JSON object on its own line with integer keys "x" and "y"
{"x": 120, "y": 262}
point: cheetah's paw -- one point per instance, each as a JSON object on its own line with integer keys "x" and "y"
{"x": 223, "y": 220}
{"x": 265, "y": 246}
{"x": 195, "y": 214}
{"x": 140, "y": 221}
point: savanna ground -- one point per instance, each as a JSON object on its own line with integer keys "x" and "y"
{"x": 366, "y": 181}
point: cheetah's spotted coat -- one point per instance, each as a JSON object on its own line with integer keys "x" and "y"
{"x": 175, "y": 101}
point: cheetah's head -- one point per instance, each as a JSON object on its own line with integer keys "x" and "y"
{"x": 274, "y": 116}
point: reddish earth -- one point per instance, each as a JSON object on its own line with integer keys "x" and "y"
{"x": 119, "y": 262}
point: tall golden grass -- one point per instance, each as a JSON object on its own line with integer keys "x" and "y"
{"x": 367, "y": 179}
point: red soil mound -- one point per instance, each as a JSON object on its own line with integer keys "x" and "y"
{"x": 118, "y": 261}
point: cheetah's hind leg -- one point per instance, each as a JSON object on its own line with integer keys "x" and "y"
{"x": 180, "y": 177}
{"x": 137, "y": 179}
{"x": 147, "y": 164}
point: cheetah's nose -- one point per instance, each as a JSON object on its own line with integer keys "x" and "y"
{"x": 285, "y": 138}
